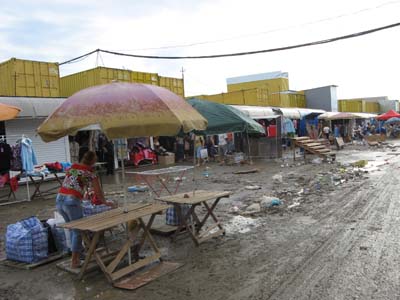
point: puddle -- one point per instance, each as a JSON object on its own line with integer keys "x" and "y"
{"x": 376, "y": 160}
{"x": 240, "y": 224}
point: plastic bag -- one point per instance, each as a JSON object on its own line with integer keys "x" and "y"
{"x": 27, "y": 241}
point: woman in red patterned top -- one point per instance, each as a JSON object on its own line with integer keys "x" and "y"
{"x": 77, "y": 180}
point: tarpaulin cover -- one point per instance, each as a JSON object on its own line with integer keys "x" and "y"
{"x": 224, "y": 118}
{"x": 386, "y": 116}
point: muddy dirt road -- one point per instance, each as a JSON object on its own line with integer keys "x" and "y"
{"x": 340, "y": 242}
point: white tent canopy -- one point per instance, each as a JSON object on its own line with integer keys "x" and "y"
{"x": 329, "y": 115}
{"x": 259, "y": 112}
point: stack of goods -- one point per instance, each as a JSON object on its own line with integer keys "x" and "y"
{"x": 172, "y": 217}
{"x": 6, "y": 156}
{"x": 234, "y": 159}
{"x": 90, "y": 209}
{"x": 27, "y": 241}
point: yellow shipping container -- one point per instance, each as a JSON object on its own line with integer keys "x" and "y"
{"x": 27, "y": 78}
{"x": 173, "y": 84}
{"x": 371, "y": 107}
{"x": 143, "y": 77}
{"x": 350, "y": 105}
{"x": 274, "y": 85}
{"x": 101, "y": 75}
{"x": 73, "y": 83}
{"x": 257, "y": 97}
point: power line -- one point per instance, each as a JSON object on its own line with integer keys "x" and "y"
{"x": 268, "y": 31}
{"x": 320, "y": 42}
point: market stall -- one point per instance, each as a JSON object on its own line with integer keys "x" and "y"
{"x": 123, "y": 110}
{"x": 223, "y": 119}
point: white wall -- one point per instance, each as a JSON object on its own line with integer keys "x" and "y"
{"x": 45, "y": 152}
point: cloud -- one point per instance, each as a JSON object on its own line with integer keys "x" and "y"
{"x": 58, "y": 30}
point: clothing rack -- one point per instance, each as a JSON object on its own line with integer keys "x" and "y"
{"x": 4, "y": 138}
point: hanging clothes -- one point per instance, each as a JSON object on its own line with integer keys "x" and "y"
{"x": 74, "y": 151}
{"x": 16, "y": 162}
{"x": 28, "y": 156}
{"x": 5, "y": 157}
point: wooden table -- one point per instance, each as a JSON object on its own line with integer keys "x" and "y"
{"x": 197, "y": 199}
{"x": 163, "y": 176}
{"x": 93, "y": 228}
{"x": 42, "y": 179}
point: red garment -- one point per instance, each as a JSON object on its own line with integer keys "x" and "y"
{"x": 271, "y": 130}
{"x": 76, "y": 179}
{"x": 14, "y": 183}
{"x": 4, "y": 178}
{"x": 54, "y": 166}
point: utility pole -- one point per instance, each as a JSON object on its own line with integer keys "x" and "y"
{"x": 183, "y": 81}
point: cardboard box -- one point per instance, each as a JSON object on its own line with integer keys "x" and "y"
{"x": 166, "y": 160}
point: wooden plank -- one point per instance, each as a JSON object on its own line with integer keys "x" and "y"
{"x": 313, "y": 144}
{"x": 111, "y": 267}
{"x": 208, "y": 230}
{"x": 210, "y": 236}
{"x": 318, "y": 147}
{"x": 29, "y": 266}
{"x": 101, "y": 216}
{"x": 141, "y": 278}
{"x": 111, "y": 221}
{"x": 323, "y": 151}
{"x": 246, "y": 171}
{"x": 133, "y": 267}
{"x": 92, "y": 247}
{"x": 200, "y": 196}
{"x": 164, "y": 229}
{"x": 133, "y": 215}
{"x": 301, "y": 138}
{"x": 66, "y": 265}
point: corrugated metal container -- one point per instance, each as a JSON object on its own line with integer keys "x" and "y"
{"x": 297, "y": 100}
{"x": 101, "y": 75}
{"x": 73, "y": 83}
{"x": 173, "y": 84}
{"x": 350, "y": 105}
{"x": 271, "y": 85}
{"x": 371, "y": 107}
{"x": 143, "y": 77}
{"x": 27, "y": 78}
{"x": 258, "y": 97}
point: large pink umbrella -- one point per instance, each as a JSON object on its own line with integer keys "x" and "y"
{"x": 123, "y": 110}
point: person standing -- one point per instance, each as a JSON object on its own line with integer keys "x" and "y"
{"x": 180, "y": 149}
{"x": 326, "y": 131}
{"x": 69, "y": 198}
{"x": 336, "y": 132}
{"x": 109, "y": 156}
{"x": 199, "y": 145}
{"x": 222, "y": 147}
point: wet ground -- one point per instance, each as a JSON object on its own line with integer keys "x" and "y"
{"x": 334, "y": 235}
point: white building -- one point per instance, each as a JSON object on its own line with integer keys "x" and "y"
{"x": 34, "y": 112}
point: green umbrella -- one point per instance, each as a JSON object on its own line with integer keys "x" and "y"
{"x": 224, "y": 118}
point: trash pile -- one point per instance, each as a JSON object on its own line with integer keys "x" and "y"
{"x": 292, "y": 189}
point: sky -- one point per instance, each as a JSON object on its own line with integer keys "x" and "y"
{"x": 367, "y": 66}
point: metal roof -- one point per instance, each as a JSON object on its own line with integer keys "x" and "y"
{"x": 33, "y": 107}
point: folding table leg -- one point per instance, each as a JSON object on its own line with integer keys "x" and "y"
{"x": 183, "y": 223}
{"x": 91, "y": 244}
{"x": 211, "y": 213}
{"x": 37, "y": 187}
{"x": 163, "y": 185}
{"x": 114, "y": 274}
